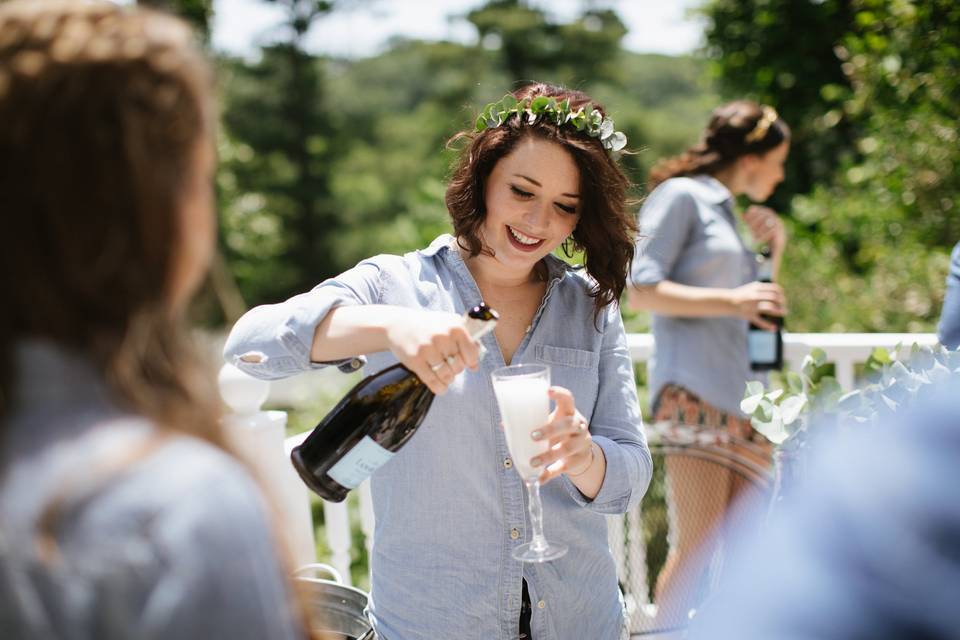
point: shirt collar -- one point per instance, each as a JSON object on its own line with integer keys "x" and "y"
{"x": 441, "y": 242}
{"x": 711, "y": 189}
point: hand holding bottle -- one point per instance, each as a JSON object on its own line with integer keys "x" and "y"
{"x": 383, "y": 411}
{"x": 754, "y": 300}
{"x": 766, "y": 227}
{"x": 436, "y": 346}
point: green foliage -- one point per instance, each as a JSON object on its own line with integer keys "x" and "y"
{"x": 813, "y": 397}
{"x": 542, "y": 108}
{"x": 198, "y": 12}
{"x": 276, "y": 115}
{"x": 530, "y": 45}
{"x": 903, "y": 61}
{"x": 862, "y": 267}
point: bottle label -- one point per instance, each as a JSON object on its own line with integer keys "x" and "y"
{"x": 359, "y": 463}
{"x": 762, "y": 346}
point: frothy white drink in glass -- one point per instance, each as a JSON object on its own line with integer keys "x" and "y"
{"x": 521, "y": 392}
{"x": 524, "y": 406}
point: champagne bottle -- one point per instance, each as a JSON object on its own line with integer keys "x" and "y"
{"x": 370, "y": 424}
{"x": 765, "y": 348}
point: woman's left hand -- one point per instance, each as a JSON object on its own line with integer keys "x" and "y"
{"x": 570, "y": 442}
{"x": 766, "y": 227}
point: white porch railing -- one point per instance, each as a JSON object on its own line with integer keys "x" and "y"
{"x": 845, "y": 350}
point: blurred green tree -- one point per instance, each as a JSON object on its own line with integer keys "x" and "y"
{"x": 198, "y": 12}
{"x": 533, "y": 47}
{"x": 880, "y": 232}
{"x": 277, "y": 115}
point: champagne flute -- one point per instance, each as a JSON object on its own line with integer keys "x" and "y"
{"x": 521, "y": 392}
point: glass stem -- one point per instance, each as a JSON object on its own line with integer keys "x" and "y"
{"x": 538, "y": 543}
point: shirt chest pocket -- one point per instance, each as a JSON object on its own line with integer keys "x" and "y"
{"x": 573, "y": 369}
{"x": 566, "y": 357}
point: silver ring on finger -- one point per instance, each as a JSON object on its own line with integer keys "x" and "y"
{"x": 447, "y": 361}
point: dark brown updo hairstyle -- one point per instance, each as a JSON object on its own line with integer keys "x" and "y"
{"x": 605, "y": 232}
{"x": 735, "y": 129}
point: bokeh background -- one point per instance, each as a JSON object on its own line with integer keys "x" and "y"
{"x": 335, "y": 117}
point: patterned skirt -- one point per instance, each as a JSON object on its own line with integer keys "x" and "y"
{"x": 683, "y": 408}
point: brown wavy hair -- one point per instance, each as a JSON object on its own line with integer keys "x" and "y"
{"x": 606, "y": 230}
{"x": 724, "y": 140}
{"x": 102, "y": 111}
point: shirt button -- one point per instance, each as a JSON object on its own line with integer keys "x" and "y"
{"x": 355, "y": 364}
{"x": 541, "y": 604}
{"x": 508, "y": 464}
{"x": 514, "y": 534}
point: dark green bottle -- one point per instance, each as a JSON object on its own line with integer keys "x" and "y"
{"x": 370, "y": 424}
{"x": 765, "y": 348}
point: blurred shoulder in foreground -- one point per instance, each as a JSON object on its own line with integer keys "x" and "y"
{"x": 869, "y": 546}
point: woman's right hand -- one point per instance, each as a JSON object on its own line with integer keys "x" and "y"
{"x": 434, "y": 345}
{"x": 754, "y": 300}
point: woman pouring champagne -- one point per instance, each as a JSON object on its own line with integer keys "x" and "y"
{"x": 536, "y": 174}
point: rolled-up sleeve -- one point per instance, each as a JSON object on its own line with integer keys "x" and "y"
{"x": 949, "y": 329}
{"x": 274, "y": 340}
{"x": 665, "y": 222}
{"x": 617, "y": 427}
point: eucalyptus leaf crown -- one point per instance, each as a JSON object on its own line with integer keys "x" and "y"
{"x": 592, "y": 123}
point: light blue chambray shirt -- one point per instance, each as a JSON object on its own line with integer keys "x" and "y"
{"x": 948, "y": 330}
{"x": 156, "y": 539}
{"x": 450, "y": 506}
{"x": 689, "y": 236}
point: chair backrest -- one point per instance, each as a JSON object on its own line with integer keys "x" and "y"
{"x": 693, "y": 485}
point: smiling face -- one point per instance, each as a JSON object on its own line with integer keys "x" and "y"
{"x": 532, "y": 203}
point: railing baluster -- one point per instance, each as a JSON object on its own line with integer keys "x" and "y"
{"x": 257, "y": 437}
{"x": 366, "y": 515}
{"x": 336, "y": 520}
{"x": 844, "y": 368}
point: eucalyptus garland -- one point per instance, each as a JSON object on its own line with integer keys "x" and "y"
{"x": 593, "y": 123}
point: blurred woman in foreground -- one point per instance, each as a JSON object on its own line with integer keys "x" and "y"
{"x": 120, "y": 514}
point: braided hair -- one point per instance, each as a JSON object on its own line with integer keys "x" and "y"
{"x": 736, "y": 129}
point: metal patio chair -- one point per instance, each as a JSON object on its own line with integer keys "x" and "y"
{"x": 642, "y": 538}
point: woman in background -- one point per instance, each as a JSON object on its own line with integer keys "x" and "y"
{"x": 699, "y": 278}
{"x": 120, "y": 514}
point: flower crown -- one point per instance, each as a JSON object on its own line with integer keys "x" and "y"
{"x": 760, "y": 129}
{"x": 594, "y": 124}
